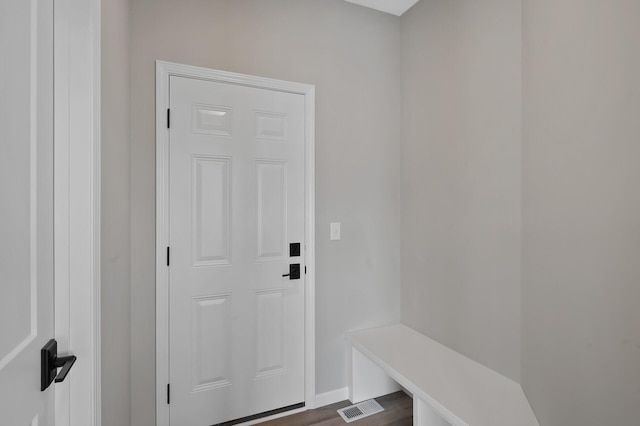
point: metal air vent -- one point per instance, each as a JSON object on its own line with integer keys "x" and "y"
{"x": 359, "y": 411}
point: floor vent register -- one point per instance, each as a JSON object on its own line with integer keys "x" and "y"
{"x": 360, "y": 411}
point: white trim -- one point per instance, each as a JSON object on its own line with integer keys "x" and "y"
{"x": 331, "y": 397}
{"x": 163, "y": 72}
{"x": 77, "y": 207}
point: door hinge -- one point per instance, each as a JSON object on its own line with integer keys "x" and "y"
{"x": 168, "y": 118}
{"x": 168, "y": 255}
{"x": 168, "y": 393}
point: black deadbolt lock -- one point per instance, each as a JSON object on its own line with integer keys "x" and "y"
{"x": 294, "y": 249}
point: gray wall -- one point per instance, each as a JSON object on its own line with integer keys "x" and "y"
{"x": 461, "y": 177}
{"x": 352, "y": 55}
{"x": 486, "y": 139}
{"x": 116, "y": 350}
{"x": 581, "y": 257}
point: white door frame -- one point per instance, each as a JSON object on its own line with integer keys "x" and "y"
{"x": 77, "y": 207}
{"x": 164, "y": 70}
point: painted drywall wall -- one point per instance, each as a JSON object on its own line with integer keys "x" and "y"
{"x": 581, "y": 201}
{"x": 461, "y": 177}
{"x": 352, "y": 55}
{"x": 115, "y": 272}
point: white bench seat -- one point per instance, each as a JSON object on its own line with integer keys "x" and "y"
{"x": 447, "y": 387}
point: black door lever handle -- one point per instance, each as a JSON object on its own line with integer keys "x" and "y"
{"x": 294, "y": 271}
{"x": 66, "y": 362}
{"x": 50, "y": 362}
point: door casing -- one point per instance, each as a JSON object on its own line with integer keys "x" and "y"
{"x": 77, "y": 207}
{"x": 164, "y": 70}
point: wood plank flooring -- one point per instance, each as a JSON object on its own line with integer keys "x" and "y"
{"x": 398, "y": 411}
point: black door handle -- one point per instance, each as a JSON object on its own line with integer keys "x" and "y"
{"x": 294, "y": 271}
{"x": 66, "y": 362}
{"x": 50, "y": 362}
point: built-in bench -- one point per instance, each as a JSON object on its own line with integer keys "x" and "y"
{"x": 448, "y": 388}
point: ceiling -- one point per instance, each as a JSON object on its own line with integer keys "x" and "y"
{"x": 394, "y": 7}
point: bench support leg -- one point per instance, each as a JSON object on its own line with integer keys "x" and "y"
{"x": 367, "y": 380}
{"x": 424, "y": 415}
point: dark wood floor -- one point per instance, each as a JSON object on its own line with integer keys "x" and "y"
{"x": 398, "y": 411}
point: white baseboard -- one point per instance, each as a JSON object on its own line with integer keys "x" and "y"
{"x": 332, "y": 397}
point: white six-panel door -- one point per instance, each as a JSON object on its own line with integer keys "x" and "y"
{"x": 26, "y": 208}
{"x": 236, "y": 202}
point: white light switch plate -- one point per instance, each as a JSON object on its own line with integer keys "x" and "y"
{"x": 335, "y": 231}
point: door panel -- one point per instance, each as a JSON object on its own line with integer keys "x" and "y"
{"x": 26, "y": 210}
{"x": 210, "y": 206}
{"x": 236, "y": 202}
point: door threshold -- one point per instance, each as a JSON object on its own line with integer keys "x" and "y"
{"x": 263, "y": 416}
